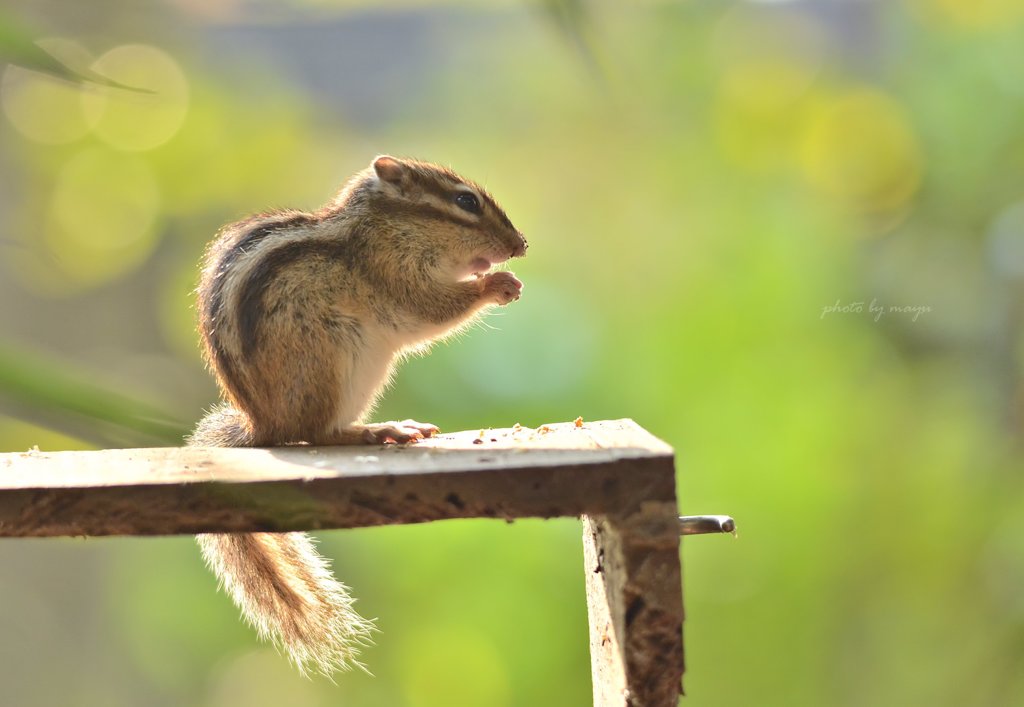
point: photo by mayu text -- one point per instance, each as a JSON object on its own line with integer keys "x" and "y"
{"x": 875, "y": 309}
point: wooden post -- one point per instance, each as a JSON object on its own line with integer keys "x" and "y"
{"x": 618, "y": 477}
{"x": 633, "y": 601}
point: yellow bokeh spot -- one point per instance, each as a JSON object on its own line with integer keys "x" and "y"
{"x": 755, "y": 113}
{"x": 130, "y": 120}
{"x": 768, "y": 65}
{"x": 42, "y": 108}
{"x": 102, "y": 215}
{"x": 859, "y": 148}
{"x": 767, "y": 86}
{"x": 971, "y": 14}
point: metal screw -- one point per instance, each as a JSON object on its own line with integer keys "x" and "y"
{"x": 700, "y": 525}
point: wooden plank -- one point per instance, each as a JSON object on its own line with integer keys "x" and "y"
{"x": 613, "y": 473}
{"x": 556, "y": 470}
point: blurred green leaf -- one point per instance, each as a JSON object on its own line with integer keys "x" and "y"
{"x": 17, "y": 46}
{"x": 47, "y": 391}
{"x": 572, "y": 18}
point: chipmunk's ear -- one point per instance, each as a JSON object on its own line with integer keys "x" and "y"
{"x": 389, "y": 169}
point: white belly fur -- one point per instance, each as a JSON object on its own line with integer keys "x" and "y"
{"x": 363, "y": 377}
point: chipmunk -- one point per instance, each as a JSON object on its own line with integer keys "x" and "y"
{"x": 303, "y": 317}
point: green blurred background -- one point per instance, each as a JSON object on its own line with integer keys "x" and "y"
{"x": 709, "y": 188}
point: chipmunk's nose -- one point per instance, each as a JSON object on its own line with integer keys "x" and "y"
{"x": 520, "y": 249}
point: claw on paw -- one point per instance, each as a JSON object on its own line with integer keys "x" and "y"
{"x": 398, "y": 432}
{"x": 502, "y": 287}
{"x": 425, "y": 428}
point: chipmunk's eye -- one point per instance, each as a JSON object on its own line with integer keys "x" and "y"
{"x": 467, "y": 202}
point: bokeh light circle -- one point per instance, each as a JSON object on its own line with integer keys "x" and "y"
{"x": 859, "y": 148}
{"x": 42, "y": 108}
{"x": 102, "y": 215}
{"x": 142, "y": 120}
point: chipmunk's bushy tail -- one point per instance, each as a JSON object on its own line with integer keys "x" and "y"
{"x": 286, "y": 591}
{"x": 283, "y": 586}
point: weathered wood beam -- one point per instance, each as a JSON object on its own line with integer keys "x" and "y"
{"x": 613, "y": 473}
{"x": 633, "y": 603}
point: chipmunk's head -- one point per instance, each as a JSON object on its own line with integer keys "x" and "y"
{"x": 468, "y": 231}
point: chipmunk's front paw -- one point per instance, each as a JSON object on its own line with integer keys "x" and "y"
{"x": 398, "y": 432}
{"x": 501, "y": 287}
